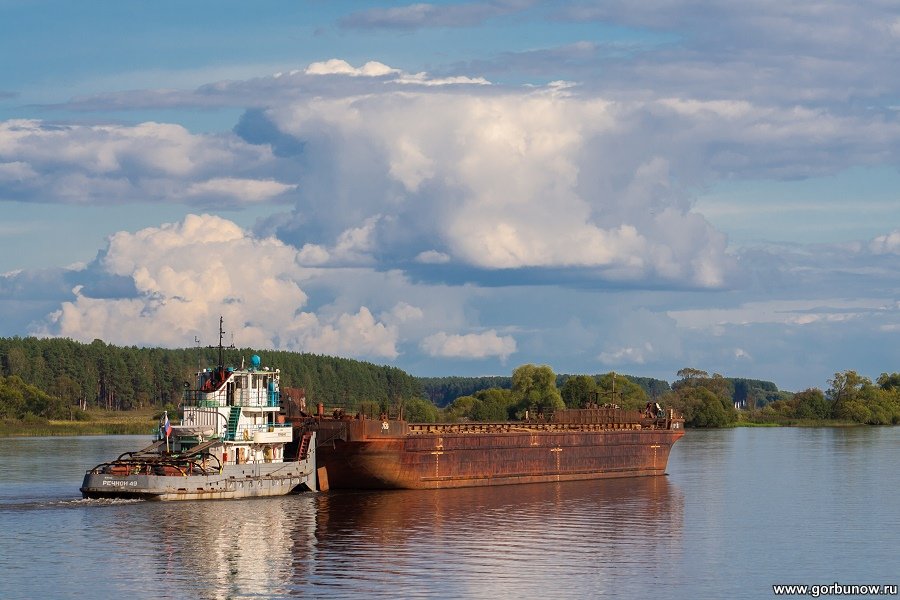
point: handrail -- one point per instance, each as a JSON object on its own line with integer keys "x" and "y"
{"x": 241, "y": 397}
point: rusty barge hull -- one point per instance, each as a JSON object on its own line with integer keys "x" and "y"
{"x": 435, "y": 456}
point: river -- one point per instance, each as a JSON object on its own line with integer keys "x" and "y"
{"x": 740, "y": 511}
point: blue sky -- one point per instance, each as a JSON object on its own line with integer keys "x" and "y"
{"x": 460, "y": 187}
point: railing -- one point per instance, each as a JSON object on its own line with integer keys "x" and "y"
{"x": 514, "y": 427}
{"x": 242, "y": 397}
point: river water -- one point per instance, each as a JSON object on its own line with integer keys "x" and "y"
{"x": 740, "y": 510}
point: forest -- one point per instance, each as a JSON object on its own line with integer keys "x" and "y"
{"x": 56, "y": 378}
{"x": 46, "y": 377}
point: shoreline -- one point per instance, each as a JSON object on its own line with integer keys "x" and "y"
{"x": 98, "y": 422}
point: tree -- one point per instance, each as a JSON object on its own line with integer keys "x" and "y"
{"x": 889, "y": 382}
{"x": 419, "y": 410}
{"x": 709, "y": 410}
{"x": 66, "y": 388}
{"x": 461, "y": 408}
{"x": 855, "y": 398}
{"x": 12, "y": 397}
{"x": 492, "y": 405}
{"x": 689, "y": 373}
{"x": 693, "y": 396}
{"x": 535, "y": 387}
{"x": 578, "y": 391}
{"x": 811, "y": 404}
{"x": 846, "y": 393}
{"x": 620, "y": 390}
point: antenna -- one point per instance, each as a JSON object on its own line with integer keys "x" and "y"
{"x": 221, "y": 335}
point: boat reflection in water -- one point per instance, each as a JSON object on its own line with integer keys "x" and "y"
{"x": 205, "y": 549}
{"x": 496, "y": 541}
{"x": 584, "y": 538}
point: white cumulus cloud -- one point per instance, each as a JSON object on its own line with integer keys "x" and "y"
{"x": 238, "y": 189}
{"x": 471, "y": 345}
{"x": 505, "y": 181}
{"x": 148, "y": 162}
{"x": 187, "y": 274}
{"x": 634, "y": 355}
{"x": 337, "y": 66}
{"x": 886, "y": 244}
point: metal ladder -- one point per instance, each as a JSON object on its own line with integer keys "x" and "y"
{"x": 303, "y": 451}
{"x": 233, "y": 419}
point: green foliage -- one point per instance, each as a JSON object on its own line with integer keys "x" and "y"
{"x": 97, "y": 375}
{"x": 753, "y": 393}
{"x": 534, "y": 388}
{"x": 578, "y": 391}
{"x": 810, "y": 404}
{"x": 889, "y": 382}
{"x": 856, "y": 398}
{"x": 370, "y": 409}
{"x": 442, "y": 391}
{"x": 654, "y": 388}
{"x": 619, "y": 390}
{"x": 703, "y": 400}
{"x": 419, "y": 410}
{"x": 20, "y": 400}
{"x": 708, "y": 410}
{"x": 493, "y": 405}
{"x": 460, "y": 409}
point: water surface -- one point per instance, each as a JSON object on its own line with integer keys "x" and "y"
{"x": 740, "y": 510}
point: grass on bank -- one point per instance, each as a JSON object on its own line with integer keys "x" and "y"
{"x": 93, "y": 422}
{"x": 769, "y": 420}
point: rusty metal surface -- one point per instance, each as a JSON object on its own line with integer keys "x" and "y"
{"x": 374, "y": 454}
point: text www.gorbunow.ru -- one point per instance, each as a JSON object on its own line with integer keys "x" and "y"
{"x": 835, "y": 589}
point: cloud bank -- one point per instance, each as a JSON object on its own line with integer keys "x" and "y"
{"x": 187, "y": 274}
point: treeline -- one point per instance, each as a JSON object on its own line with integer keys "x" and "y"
{"x": 67, "y": 373}
{"x": 534, "y": 390}
{"x": 745, "y": 392}
{"x": 850, "y": 397}
{"x": 707, "y": 401}
{"x": 59, "y": 379}
{"x": 19, "y": 400}
{"x": 444, "y": 390}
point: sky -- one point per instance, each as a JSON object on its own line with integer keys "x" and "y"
{"x": 458, "y": 188}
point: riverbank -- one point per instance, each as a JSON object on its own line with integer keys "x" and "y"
{"x": 98, "y": 422}
{"x": 780, "y": 421}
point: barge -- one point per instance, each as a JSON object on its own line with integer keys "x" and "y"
{"x": 573, "y": 444}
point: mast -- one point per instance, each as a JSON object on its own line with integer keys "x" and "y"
{"x": 221, "y": 335}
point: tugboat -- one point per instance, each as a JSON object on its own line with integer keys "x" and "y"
{"x": 232, "y": 442}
